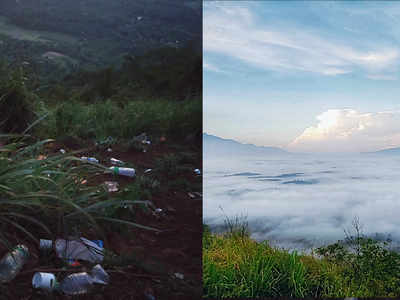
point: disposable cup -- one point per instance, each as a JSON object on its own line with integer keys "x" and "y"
{"x": 46, "y": 281}
{"x": 45, "y": 244}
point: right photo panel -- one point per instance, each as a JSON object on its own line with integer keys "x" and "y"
{"x": 301, "y": 149}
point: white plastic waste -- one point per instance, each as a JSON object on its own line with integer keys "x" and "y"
{"x": 112, "y": 186}
{"x": 73, "y": 284}
{"x": 115, "y": 161}
{"x": 90, "y": 159}
{"x": 197, "y": 171}
{"x": 12, "y": 263}
{"x": 62, "y": 151}
{"x": 75, "y": 249}
{"x": 46, "y": 281}
{"x": 130, "y": 172}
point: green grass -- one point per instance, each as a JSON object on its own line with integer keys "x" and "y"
{"x": 121, "y": 121}
{"x": 235, "y": 266}
{"x": 43, "y": 198}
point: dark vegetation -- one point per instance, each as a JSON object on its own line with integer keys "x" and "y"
{"x": 235, "y": 266}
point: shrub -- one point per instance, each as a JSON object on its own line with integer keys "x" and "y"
{"x": 16, "y": 103}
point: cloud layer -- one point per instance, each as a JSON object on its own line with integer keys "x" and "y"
{"x": 346, "y": 186}
{"x": 237, "y": 32}
{"x": 347, "y": 130}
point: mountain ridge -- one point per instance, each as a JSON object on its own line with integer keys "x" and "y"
{"x": 218, "y": 145}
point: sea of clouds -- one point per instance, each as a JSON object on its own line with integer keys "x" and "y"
{"x": 305, "y": 200}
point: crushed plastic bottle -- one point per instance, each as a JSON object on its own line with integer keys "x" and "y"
{"x": 130, "y": 172}
{"x": 90, "y": 159}
{"x": 12, "y": 263}
{"x": 73, "y": 284}
{"x": 76, "y": 284}
{"x": 74, "y": 249}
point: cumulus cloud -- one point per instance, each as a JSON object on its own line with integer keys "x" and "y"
{"x": 347, "y": 130}
{"x": 235, "y": 31}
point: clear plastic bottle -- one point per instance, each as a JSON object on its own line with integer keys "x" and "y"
{"x": 82, "y": 283}
{"x": 12, "y": 263}
{"x": 76, "y": 284}
{"x": 130, "y": 172}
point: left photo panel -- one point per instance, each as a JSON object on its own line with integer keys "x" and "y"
{"x": 100, "y": 149}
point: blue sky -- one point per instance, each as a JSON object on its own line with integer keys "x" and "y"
{"x": 312, "y": 76}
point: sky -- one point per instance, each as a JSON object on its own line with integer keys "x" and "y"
{"x": 306, "y": 76}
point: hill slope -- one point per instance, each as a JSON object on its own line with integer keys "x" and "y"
{"x": 214, "y": 145}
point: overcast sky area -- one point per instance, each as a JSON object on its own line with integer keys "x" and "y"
{"x": 306, "y": 76}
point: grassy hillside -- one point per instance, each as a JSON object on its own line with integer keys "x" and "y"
{"x": 235, "y": 266}
{"x": 47, "y": 194}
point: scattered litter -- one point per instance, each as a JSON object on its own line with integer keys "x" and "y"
{"x": 148, "y": 170}
{"x": 115, "y": 161}
{"x": 73, "y": 284}
{"x": 109, "y": 150}
{"x": 130, "y": 172}
{"x": 198, "y": 194}
{"x": 75, "y": 249}
{"x": 197, "y": 171}
{"x": 41, "y": 157}
{"x": 63, "y": 151}
{"x": 90, "y": 159}
{"x": 191, "y": 195}
{"x": 158, "y": 210}
{"x": 12, "y": 263}
{"x": 146, "y": 142}
{"x": 84, "y": 181}
{"x": 112, "y": 186}
{"x": 179, "y": 276}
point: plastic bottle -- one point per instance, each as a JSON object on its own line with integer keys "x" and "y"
{"x": 130, "y": 172}
{"x": 76, "y": 284}
{"x": 71, "y": 250}
{"x": 90, "y": 159}
{"x": 12, "y": 263}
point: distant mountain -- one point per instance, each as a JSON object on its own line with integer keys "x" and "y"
{"x": 214, "y": 145}
{"x": 395, "y": 151}
{"x": 94, "y": 34}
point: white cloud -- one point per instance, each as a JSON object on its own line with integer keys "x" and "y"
{"x": 232, "y": 31}
{"x": 347, "y": 130}
{"x": 211, "y": 67}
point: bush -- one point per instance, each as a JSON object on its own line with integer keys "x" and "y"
{"x": 16, "y": 103}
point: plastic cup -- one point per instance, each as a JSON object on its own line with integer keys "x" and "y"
{"x": 46, "y": 281}
{"x": 45, "y": 244}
